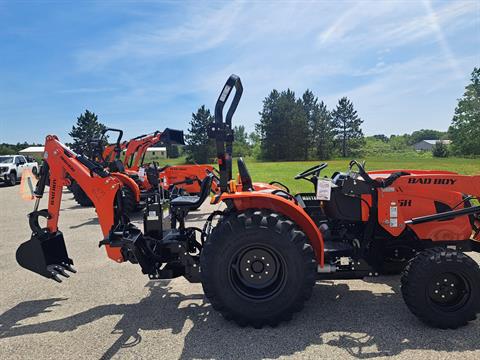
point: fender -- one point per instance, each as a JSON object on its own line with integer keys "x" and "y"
{"x": 251, "y": 200}
{"x": 128, "y": 181}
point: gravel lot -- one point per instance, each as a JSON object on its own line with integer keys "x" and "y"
{"x": 108, "y": 310}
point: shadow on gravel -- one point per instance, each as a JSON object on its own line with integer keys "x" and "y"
{"x": 363, "y": 324}
{"x": 92, "y": 221}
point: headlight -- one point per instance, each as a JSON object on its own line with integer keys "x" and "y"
{"x": 3, "y": 169}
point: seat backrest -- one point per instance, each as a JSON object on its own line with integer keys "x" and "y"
{"x": 245, "y": 177}
{"x": 204, "y": 190}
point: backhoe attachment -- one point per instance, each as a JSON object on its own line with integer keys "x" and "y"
{"x": 45, "y": 253}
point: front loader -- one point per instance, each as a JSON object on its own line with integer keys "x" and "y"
{"x": 259, "y": 258}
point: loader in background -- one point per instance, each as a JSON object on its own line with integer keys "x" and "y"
{"x": 174, "y": 180}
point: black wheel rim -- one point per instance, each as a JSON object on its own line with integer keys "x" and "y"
{"x": 257, "y": 272}
{"x": 449, "y": 291}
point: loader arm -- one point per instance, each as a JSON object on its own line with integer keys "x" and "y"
{"x": 137, "y": 147}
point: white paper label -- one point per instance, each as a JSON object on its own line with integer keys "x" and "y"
{"x": 393, "y": 222}
{"x": 324, "y": 189}
{"x": 393, "y": 211}
{"x": 141, "y": 172}
{"x": 225, "y": 91}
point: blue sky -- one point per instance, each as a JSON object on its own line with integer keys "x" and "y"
{"x": 145, "y": 65}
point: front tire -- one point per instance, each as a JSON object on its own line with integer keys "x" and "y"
{"x": 440, "y": 287}
{"x": 257, "y": 268}
{"x": 12, "y": 179}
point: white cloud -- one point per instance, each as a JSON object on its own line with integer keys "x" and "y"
{"x": 350, "y": 47}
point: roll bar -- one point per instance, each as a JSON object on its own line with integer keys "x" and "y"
{"x": 222, "y": 131}
{"x": 118, "y": 147}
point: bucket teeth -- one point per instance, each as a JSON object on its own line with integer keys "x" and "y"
{"x": 69, "y": 268}
{"x": 56, "y": 270}
{"x": 46, "y": 255}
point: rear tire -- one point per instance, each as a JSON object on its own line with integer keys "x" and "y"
{"x": 257, "y": 268}
{"x": 79, "y": 195}
{"x": 12, "y": 179}
{"x": 440, "y": 287}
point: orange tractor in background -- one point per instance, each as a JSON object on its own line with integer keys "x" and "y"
{"x": 174, "y": 180}
{"x": 258, "y": 257}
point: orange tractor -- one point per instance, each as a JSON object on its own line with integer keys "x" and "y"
{"x": 185, "y": 177}
{"x": 174, "y": 179}
{"x": 259, "y": 258}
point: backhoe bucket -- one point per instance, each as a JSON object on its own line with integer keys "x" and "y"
{"x": 45, "y": 254}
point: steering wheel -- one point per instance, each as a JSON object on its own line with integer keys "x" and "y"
{"x": 315, "y": 170}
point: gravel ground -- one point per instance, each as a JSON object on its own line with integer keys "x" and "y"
{"x": 108, "y": 310}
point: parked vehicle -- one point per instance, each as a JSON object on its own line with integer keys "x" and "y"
{"x": 13, "y": 166}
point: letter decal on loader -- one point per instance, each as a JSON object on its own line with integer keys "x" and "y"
{"x": 428, "y": 181}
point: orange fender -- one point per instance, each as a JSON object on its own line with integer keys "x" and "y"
{"x": 254, "y": 200}
{"x": 128, "y": 181}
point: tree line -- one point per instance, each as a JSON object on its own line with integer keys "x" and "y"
{"x": 304, "y": 128}
{"x": 290, "y": 128}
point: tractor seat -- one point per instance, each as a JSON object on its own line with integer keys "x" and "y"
{"x": 193, "y": 202}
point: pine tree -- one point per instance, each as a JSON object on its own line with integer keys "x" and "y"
{"x": 267, "y": 129}
{"x": 346, "y": 124}
{"x": 465, "y": 129}
{"x": 310, "y": 104}
{"x": 200, "y": 149}
{"x": 320, "y": 134}
{"x": 283, "y": 127}
{"x": 88, "y": 128}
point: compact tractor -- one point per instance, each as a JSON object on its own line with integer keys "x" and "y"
{"x": 259, "y": 258}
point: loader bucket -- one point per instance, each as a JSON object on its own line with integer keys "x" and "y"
{"x": 46, "y": 255}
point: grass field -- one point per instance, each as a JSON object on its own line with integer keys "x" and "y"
{"x": 285, "y": 171}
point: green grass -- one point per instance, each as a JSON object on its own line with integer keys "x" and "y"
{"x": 285, "y": 171}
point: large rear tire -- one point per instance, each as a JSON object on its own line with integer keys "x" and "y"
{"x": 257, "y": 268}
{"x": 79, "y": 195}
{"x": 440, "y": 287}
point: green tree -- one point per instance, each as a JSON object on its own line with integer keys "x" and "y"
{"x": 283, "y": 127}
{"x": 200, "y": 149}
{"x": 381, "y": 137}
{"x": 241, "y": 147}
{"x": 87, "y": 128}
{"x": 323, "y": 132}
{"x": 465, "y": 129}
{"x": 440, "y": 150}
{"x": 347, "y": 127}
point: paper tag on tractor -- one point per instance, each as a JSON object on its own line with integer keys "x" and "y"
{"x": 324, "y": 189}
{"x": 27, "y": 185}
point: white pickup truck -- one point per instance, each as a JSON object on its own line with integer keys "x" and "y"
{"x": 12, "y": 167}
